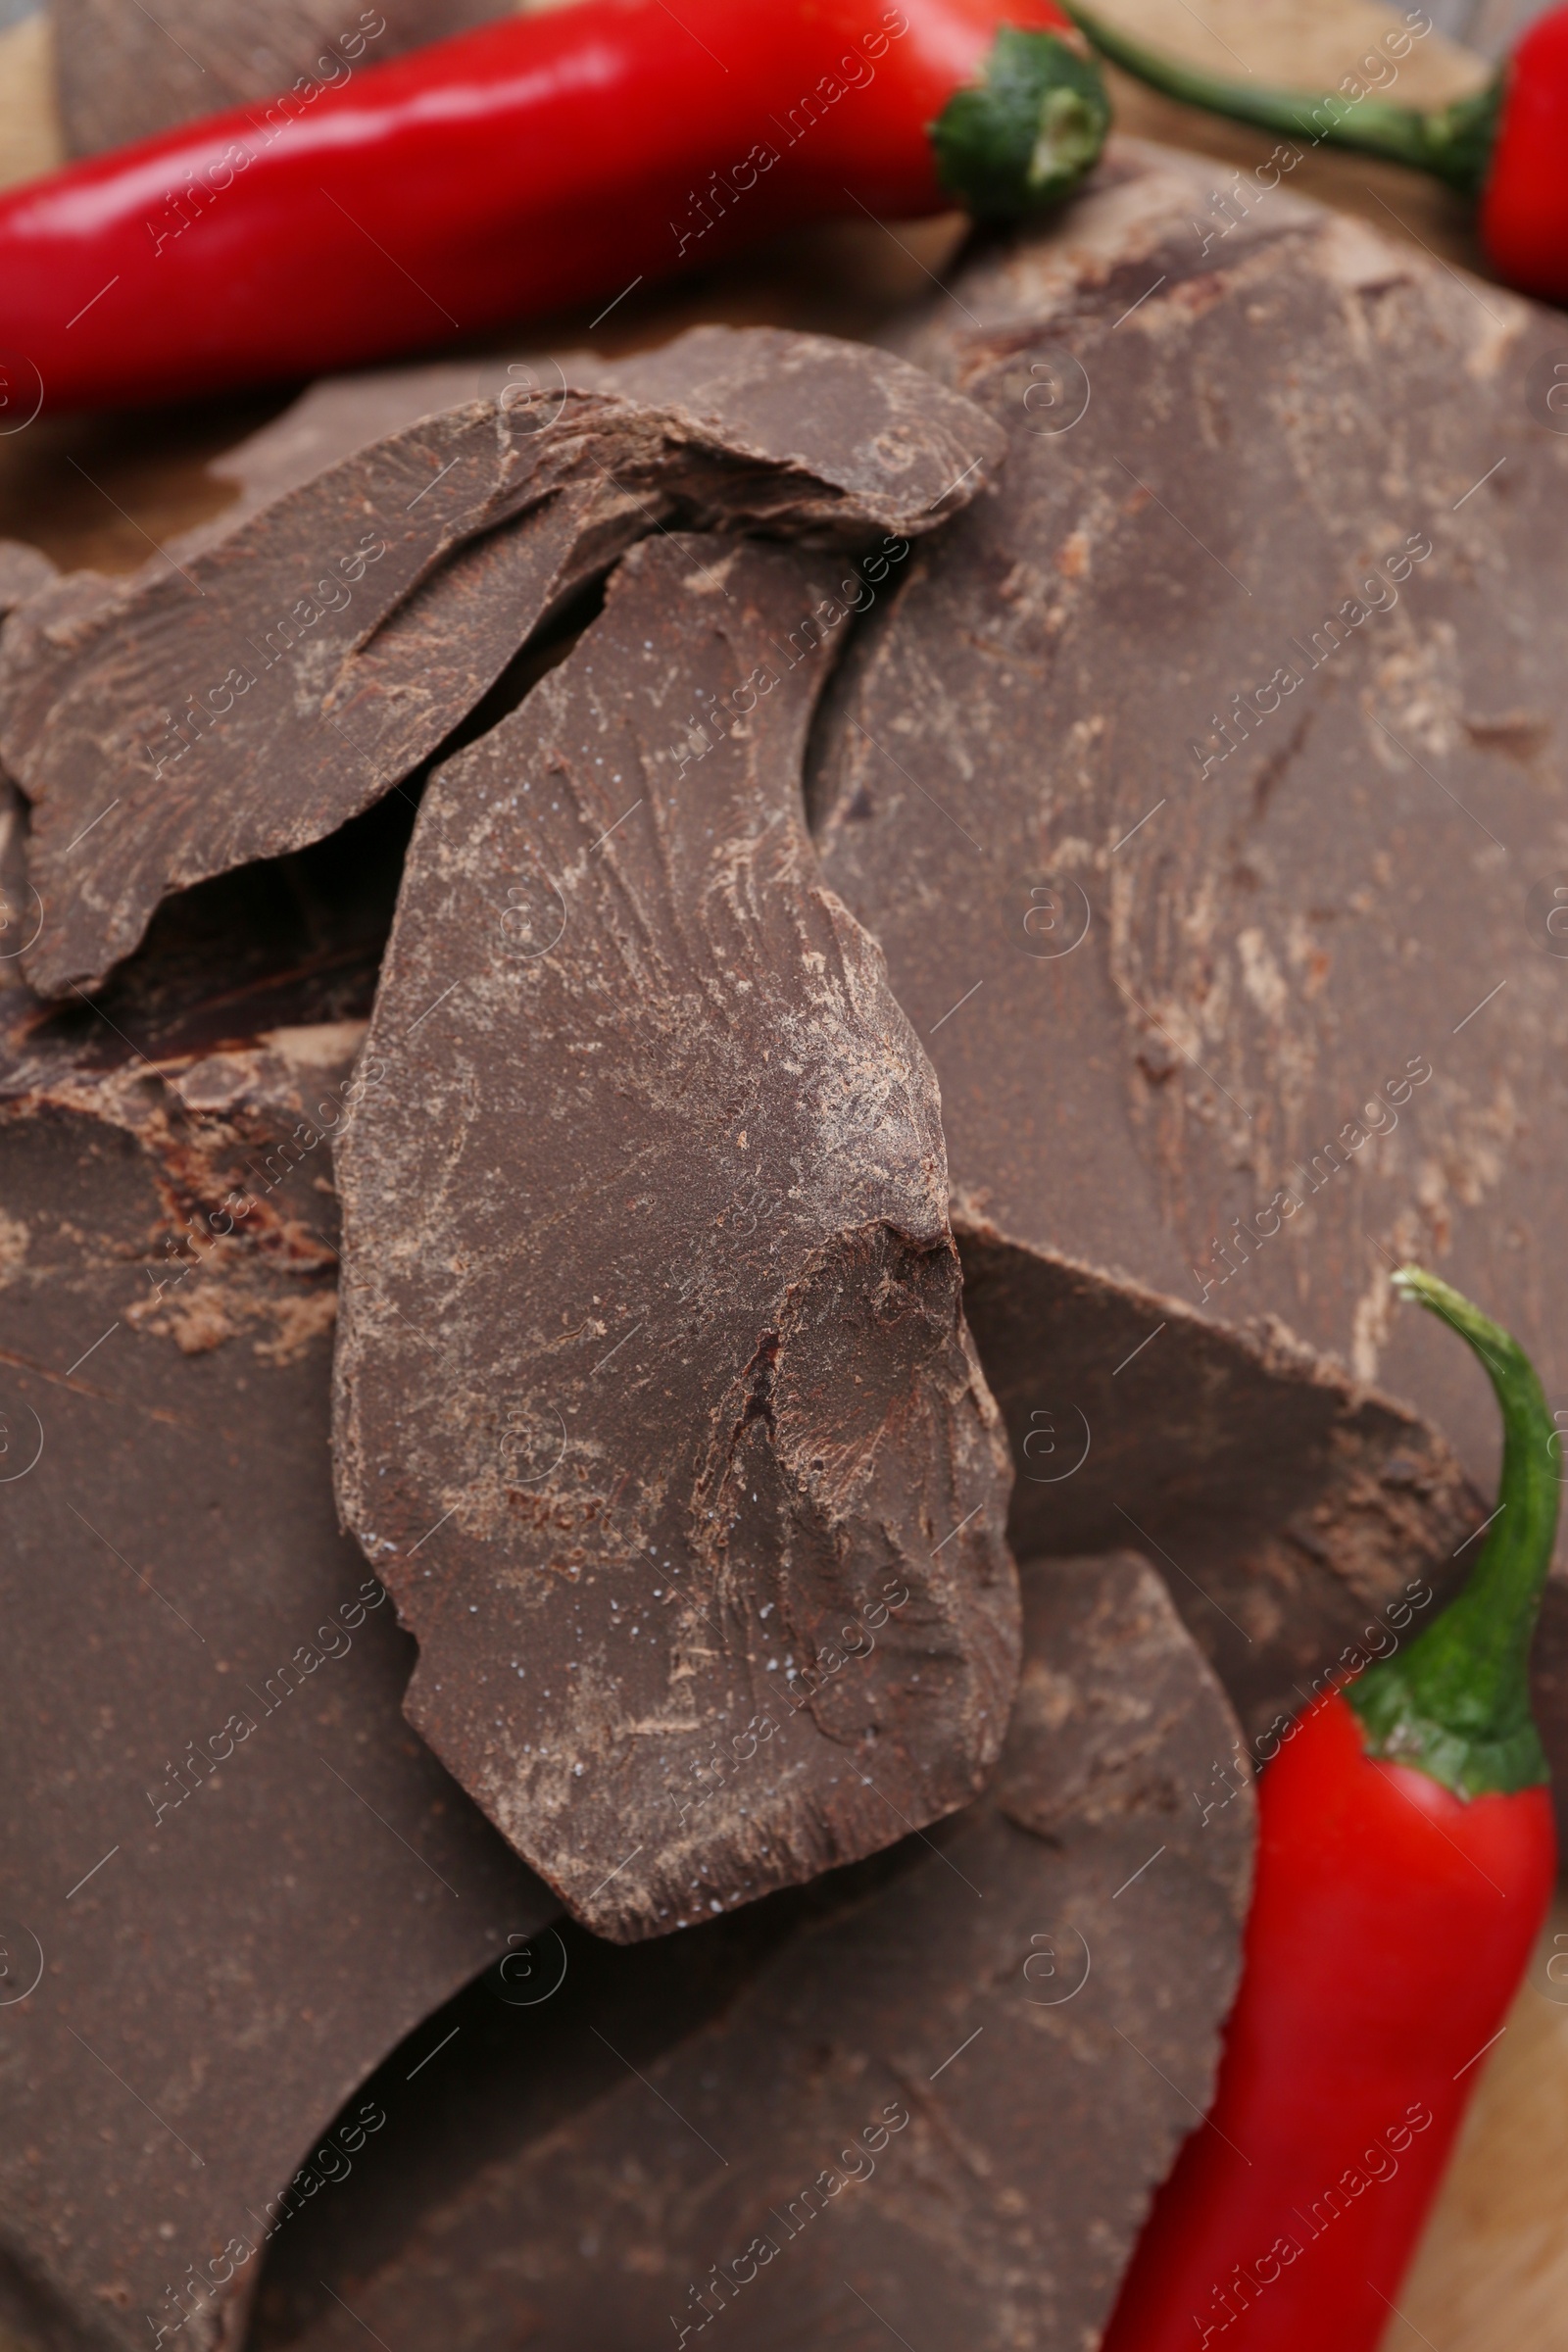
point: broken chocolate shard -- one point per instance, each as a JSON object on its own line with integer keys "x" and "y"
{"x": 1196, "y": 787}
{"x": 782, "y": 397}
{"x": 234, "y": 1876}
{"x": 123, "y": 73}
{"x": 657, "y": 1409}
{"x": 1306, "y": 1524}
{"x": 931, "y": 2107}
{"x": 285, "y": 674}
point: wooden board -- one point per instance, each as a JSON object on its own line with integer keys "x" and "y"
{"x": 1493, "y": 2267}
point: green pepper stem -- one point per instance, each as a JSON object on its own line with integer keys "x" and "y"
{"x": 1454, "y": 142}
{"x": 1456, "y": 1704}
{"x": 1013, "y": 144}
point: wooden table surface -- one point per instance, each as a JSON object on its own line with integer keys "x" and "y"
{"x": 1493, "y": 2272}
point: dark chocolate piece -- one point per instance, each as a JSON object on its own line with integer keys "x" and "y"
{"x": 719, "y": 378}
{"x": 1305, "y": 1523}
{"x": 933, "y": 2111}
{"x": 657, "y": 1409}
{"x": 1202, "y": 787}
{"x": 236, "y": 1874}
{"x": 120, "y": 74}
{"x": 286, "y": 672}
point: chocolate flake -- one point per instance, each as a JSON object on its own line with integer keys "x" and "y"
{"x": 1305, "y": 1523}
{"x": 656, "y": 1408}
{"x": 279, "y": 676}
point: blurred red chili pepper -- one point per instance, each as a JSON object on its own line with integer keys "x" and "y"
{"x": 1524, "y": 202}
{"x": 1505, "y": 145}
{"x": 1406, "y": 1858}
{"x": 550, "y": 159}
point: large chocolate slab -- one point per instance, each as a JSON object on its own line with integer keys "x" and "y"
{"x": 1238, "y": 1025}
{"x": 240, "y": 1874}
{"x": 282, "y": 675}
{"x": 120, "y": 72}
{"x": 657, "y": 1409}
{"x": 931, "y": 2109}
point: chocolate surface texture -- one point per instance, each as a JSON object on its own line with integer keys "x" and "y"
{"x": 1201, "y": 785}
{"x": 656, "y": 1406}
{"x": 931, "y": 2105}
{"x": 292, "y": 669}
{"x": 233, "y": 1876}
{"x": 1205, "y": 789}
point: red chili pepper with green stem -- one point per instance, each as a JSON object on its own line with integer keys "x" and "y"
{"x": 1505, "y": 145}
{"x": 1406, "y": 1858}
{"x": 543, "y": 160}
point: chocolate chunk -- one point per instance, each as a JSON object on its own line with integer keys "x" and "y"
{"x": 288, "y": 672}
{"x": 1197, "y": 786}
{"x": 723, "y": 379}
{"x": 123, "y": 73}
{"x": 1305, "y": 1523}
{"x": 934, "y": 2110}
{"x": 233, "y": 1878}
{"x": 656, "y": 1408}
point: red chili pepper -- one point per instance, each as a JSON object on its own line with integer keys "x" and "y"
{"x": 1524, "y": 205}
{"x": 562, "y": 157}
{"x": 1505, "y": 145}
{"x": 1405, "y": 1861}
